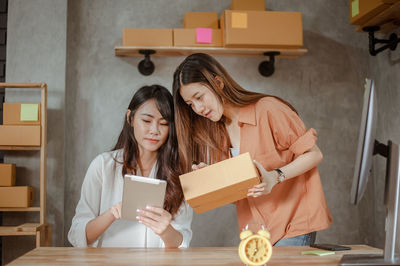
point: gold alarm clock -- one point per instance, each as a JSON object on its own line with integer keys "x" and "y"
{"x": 255, "y": 249}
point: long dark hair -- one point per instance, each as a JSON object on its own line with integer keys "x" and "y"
{"x": 199, "y": 138}
{"x": 167, "y": 157}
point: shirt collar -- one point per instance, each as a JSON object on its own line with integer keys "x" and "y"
{"x": 247, "y": 114}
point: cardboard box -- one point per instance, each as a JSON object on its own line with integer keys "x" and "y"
{"x": 20, "y": 135}
{"x": 20, "y": 196}
{"x": 7, "y": 175}
{"x": 147, "y": 37}
{"x": 14, "y": 112}
{"x": 219, "y": 184}
{"x": 187, "y": 37}
{"x": 262, "y": 29}
{"x": 388, "y": 20}
{"x": 363, "y": 10}
{"x": 247, "y": 5}
{"x": 193, "y": 20}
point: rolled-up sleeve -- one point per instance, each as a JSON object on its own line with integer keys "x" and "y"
{"x": 289, "y": 130}
{"x": 88, "y": 206}
{"x": 182, "y": 223}
{"x": 304, "y": 143}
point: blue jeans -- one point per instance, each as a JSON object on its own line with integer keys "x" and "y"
{"x": 302, "y": 240}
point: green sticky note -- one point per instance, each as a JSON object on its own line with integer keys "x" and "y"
{"x": 355, "y": 8}
{"x": 29, "y": 112}
{"x": 318, "y": 252}
{"x": 239, "y": 20}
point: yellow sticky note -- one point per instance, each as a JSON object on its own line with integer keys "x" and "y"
{"x": 317, "y": 252}
{"x": 29, "y": 112}
{"x": 355, "y": 8}
{"x": 239, "y": 20}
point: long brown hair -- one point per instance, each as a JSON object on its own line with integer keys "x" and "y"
{"x": 167, "y": 157}
{"x": 200, "y": 139}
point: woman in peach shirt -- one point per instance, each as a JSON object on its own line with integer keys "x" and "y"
{"x": 216, "y": 118}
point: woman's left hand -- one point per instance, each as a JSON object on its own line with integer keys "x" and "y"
{"x": 269, "y": 179}
{"x": 157, "y": 219}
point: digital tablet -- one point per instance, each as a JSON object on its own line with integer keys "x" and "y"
{"x": 139, "y": 192}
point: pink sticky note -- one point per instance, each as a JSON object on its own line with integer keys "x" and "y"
{"x": 204, "y": 35}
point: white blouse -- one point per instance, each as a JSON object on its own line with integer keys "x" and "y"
{"x": 102, "y": 189}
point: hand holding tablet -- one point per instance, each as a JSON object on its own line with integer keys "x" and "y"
{"x": 139, "y": 192}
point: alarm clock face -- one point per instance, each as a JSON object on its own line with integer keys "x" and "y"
{"x": 257, "y": 250}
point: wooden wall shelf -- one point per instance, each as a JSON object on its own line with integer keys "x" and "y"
{"x": 29, "y": 209}
{"x": 384, "y": 22}
{"x": 215, "y": 51}
{"x": 23, "y": 229}
{"x": 266, "y": 68}
{"x": 19, "y": 148}
{"x": 388, "y": 20}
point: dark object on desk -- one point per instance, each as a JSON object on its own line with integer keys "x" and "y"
{"x": 330, "y": 247}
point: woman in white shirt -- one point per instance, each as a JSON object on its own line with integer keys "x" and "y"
{"x": 147, "y": 146}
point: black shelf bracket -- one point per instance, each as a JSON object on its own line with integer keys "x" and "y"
{"x": 146, "y": 67}
{"x": 381, "y": 149}
{"x": 267, "y": 68}
{"x": 391, "y": 43}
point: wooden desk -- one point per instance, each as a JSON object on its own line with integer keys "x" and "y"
{"x": 191, "y": 256}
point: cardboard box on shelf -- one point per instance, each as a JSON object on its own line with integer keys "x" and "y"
{"x": 363, "y": 10}
{"x": 147, "y": 37}
{"x": 219, "y": 184}
{"x": 16, "y": 197}
{"x": 262, "y": 29}
{"x": 21, "y": 113}
{"x": 198, "y": 37}
{"x": 20, "y": 135}
{"x": 7, "y": 175}
{"x": 388, "y": 20}
{"x": 193, "y": 20}
{"x": 247, "y": 5}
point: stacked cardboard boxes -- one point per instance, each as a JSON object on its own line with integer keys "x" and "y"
{"x": 11, "y": 195}
{"x": 21, "y": 128}
{"x": 21, "y": 124}
{"x": 248, "y": 25}
{"x": 201, "y": 29}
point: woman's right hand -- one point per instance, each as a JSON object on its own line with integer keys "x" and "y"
{"x": 198, "y": 166}
{"x": 116, "y": 211}
{"x": 96, "y": 227}
{"x": 268, "y": 181}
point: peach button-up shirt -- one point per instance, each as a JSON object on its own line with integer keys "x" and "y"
{"x": 274, "y": 135}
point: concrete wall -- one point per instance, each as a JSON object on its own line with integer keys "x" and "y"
{"x": 325, "y": 86}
